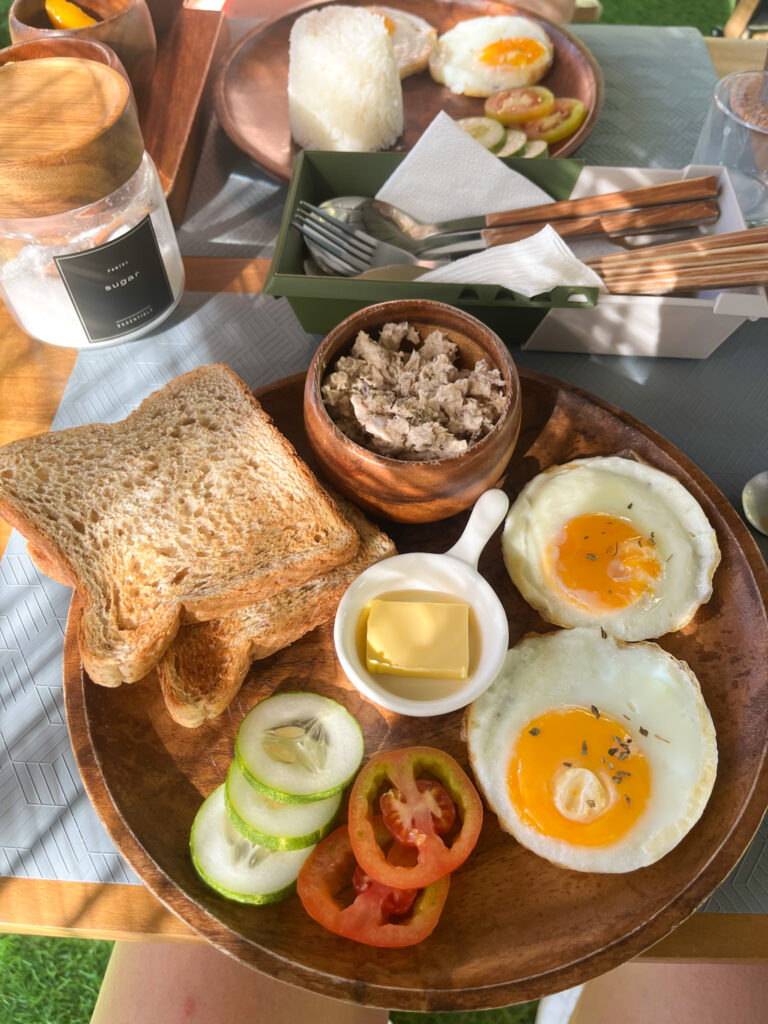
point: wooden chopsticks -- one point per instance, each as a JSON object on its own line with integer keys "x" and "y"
{"x": 665, "y": 217}
{"x": 685, "y": 190}
{"x": 719, "y": 261}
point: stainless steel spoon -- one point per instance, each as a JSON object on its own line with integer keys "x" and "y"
{"x": 754, "y": 501}
{"x": 392, "y": 225}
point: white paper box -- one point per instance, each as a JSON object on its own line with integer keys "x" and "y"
{"x": 651, "y": 325}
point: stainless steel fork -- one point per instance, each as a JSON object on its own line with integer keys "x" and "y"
{"x": 346, "y": 251}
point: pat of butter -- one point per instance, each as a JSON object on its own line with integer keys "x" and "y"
{"x": 418, "y": 638}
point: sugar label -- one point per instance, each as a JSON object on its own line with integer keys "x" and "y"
{"x": 119, "y": 286}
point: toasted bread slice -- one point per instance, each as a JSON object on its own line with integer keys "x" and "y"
{"x": 207, "y": 662}
{"x": 191, "y": 507}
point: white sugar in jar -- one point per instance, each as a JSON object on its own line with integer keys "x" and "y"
{"x": 88, "y": 253}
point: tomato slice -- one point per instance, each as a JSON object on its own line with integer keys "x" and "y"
{"x": 379, "y": 915}
{"x": 523, "y": 103}
{"x": 406, "y": 826}
{"x": 390, "y": 902}
{"x": 565, "y": 118}
{"x": 413, "y": 812}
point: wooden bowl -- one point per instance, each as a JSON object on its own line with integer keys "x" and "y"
{"x": 413, "y": 492}
{"x": 124, "y": 25}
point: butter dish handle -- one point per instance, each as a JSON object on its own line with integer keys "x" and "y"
{"x": 490, "y": 508}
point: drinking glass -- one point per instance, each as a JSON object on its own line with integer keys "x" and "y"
{"x": 735, "y": 135}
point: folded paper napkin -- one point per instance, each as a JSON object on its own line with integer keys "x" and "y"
{"x": 448, "y": 174}
{"x": 530, "y": 267}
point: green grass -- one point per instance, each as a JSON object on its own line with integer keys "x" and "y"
{"x": 50, "y": 981}
{"x": 705, "y": 15}
{"x": 5, "y": 38}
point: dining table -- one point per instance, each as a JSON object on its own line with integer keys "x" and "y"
{"x": 60, "y": 874}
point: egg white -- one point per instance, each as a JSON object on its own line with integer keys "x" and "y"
{"x": 638, "y": 684}
{"x": 455, "y": 62}
{"x": 413, "y": 39}
{"x": 655, "y": 503}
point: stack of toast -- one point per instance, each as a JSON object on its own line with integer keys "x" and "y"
{"x": 197, "y": 539}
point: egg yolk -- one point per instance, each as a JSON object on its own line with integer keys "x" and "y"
{"x": 512, "y": 53}
{"x": 603, "y": 563}
{"x": 389, "y": 24}
{"x": 575, "y": 774}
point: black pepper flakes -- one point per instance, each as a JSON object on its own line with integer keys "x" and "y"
{"x": 603, "y": 634}
{"x": 592, "y": 558}
{"x": 643, "y": 732}
{"x": 594, "y": 711}
{"x": 583, "y": 748}
{"x": 534, "y": 732}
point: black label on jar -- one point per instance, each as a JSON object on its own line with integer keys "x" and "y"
{"x": 118, "y": 287}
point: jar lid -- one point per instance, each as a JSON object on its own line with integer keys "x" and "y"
{"x": 68, "y": 135}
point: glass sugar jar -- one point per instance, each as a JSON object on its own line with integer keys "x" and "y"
{"x": 88, "y": 253}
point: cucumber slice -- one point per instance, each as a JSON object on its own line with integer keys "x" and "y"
{"x": 299, "y": 747}
{"x": 233, "y": 866}
{"x": 277, "y": 826}
{"x": 485, "y": 130}
{"x": 536, "y": 148}
{"x": 514, "y": 144}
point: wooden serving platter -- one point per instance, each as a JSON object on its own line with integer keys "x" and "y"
{"x": 514, "y": 927}
{"x": 251, "y": 87}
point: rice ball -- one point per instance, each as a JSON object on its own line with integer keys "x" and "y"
{"x": 344, "y": 90}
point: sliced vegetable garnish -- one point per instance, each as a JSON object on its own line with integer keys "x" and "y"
{"x": 514, "y": 145}
{"x": 299, "y": 747}
{"x": 566, "y": 117}
{"x": 523, "y": 103}
{"x": 232, "y": 865}
{"x": 485, "y": 130}
{"x": 536, "y": 149}
{"x": 416, "y": 812}
{"x": 278, "y": 826}
{"x": 378, "y": 915}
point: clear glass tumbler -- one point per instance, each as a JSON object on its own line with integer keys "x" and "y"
{"x": 735, "y": 135}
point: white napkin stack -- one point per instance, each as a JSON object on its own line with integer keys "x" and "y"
{"x": 448, "y": 175}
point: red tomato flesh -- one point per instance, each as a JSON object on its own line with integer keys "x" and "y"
{"x": 409, "y": 825}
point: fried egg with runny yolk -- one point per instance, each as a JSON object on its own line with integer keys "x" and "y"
{"x": 613, "y": 542}
{"x": 595, "y": 754}
{"x": 413, "y": 38}
{"x": 481, "y": 56}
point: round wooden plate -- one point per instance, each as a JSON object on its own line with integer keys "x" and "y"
{"x": 251, "y": 87}
{"x": 514, "y": 927}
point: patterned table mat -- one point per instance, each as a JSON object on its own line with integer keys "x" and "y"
{"x": 657, "y": 88}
